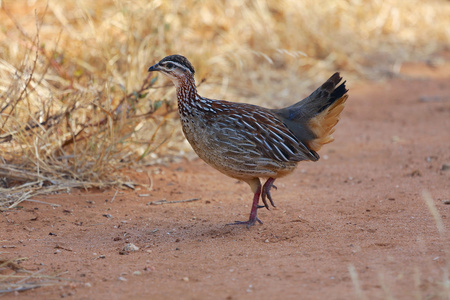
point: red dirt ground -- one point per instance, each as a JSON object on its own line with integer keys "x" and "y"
{"x": 361, "y": 205}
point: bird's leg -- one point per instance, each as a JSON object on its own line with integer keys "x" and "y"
{"x": 255, "y": 184}
{"x": 266, "y": 192}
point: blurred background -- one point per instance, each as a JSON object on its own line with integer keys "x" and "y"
{"x": 77, "y": 105}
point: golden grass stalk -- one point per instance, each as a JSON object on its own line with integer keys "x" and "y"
{"x": 443, "y": 235}
{"x": 356, "y": 283}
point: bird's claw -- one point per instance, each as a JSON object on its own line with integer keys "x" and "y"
{"x": 266, "y": 192}
{"x": 249, "y": 223}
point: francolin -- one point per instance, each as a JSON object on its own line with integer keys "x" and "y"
{"x": 249, "y": 142}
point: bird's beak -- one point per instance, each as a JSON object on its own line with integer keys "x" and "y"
{"x": 155, "y": 67}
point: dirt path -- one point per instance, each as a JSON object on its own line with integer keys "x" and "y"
{"x": 361, "y": 205}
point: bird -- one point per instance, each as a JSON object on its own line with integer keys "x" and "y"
{"x": 249, "y": 142}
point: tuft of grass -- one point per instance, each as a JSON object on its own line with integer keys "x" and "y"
{"x": 15, "y": 278}
{"x": 76, "y": 102}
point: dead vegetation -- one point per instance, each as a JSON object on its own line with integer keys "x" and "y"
{"x": 15, "y": 278}
{"x": 76, "y": 102}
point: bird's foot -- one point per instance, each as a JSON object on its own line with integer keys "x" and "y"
{"x": 249, "y": 223}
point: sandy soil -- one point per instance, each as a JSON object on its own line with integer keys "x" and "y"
{"x": 360, "y": 206}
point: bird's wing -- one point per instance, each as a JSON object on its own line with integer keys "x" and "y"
{"x": 256, "y": 132}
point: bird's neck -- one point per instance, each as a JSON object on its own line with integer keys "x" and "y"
{"x": 187, "y": 95}
{"x": 186, "y": 89}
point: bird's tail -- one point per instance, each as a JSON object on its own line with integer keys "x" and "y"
{"x": 322, "y": 124}
{"x": 312, "y": 120}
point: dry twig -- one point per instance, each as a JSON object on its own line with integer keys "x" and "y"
{"x": 164, "y": 201}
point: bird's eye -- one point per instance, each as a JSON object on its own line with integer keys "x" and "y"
{"x": 169, "y": 65}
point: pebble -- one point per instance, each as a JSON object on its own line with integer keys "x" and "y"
{"x": 445, "y": 167}
{"x": 130, "y": 247}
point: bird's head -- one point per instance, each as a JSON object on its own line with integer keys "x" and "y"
{"x": 176, "y": 67}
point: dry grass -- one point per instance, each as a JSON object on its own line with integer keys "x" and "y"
{"x": 14, "y": 278}
{"x": 77, "y": 102}
{"x": 443, "y": 235}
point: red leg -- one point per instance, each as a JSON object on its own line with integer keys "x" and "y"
{"x": 256, "y": 187}
{"x": 266, "y": 192}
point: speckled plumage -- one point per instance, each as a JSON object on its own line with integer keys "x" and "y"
{"x": 248, "y": 142}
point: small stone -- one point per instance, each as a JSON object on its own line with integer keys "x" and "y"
{"x": 130, "y": 247}
{"x": 447, "y": 202}
{"x": 149, "y": 268}
{"x": 137, "y": 273}
{"x": 186, "y": 279}
{"x": 445, "y": 167}
{"x": 415, "y": 173}
{"x": 122, "y": 278}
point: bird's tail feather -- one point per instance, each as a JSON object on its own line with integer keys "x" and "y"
{"x": 312, "y": 119}
{"x": 322, "y": 125}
